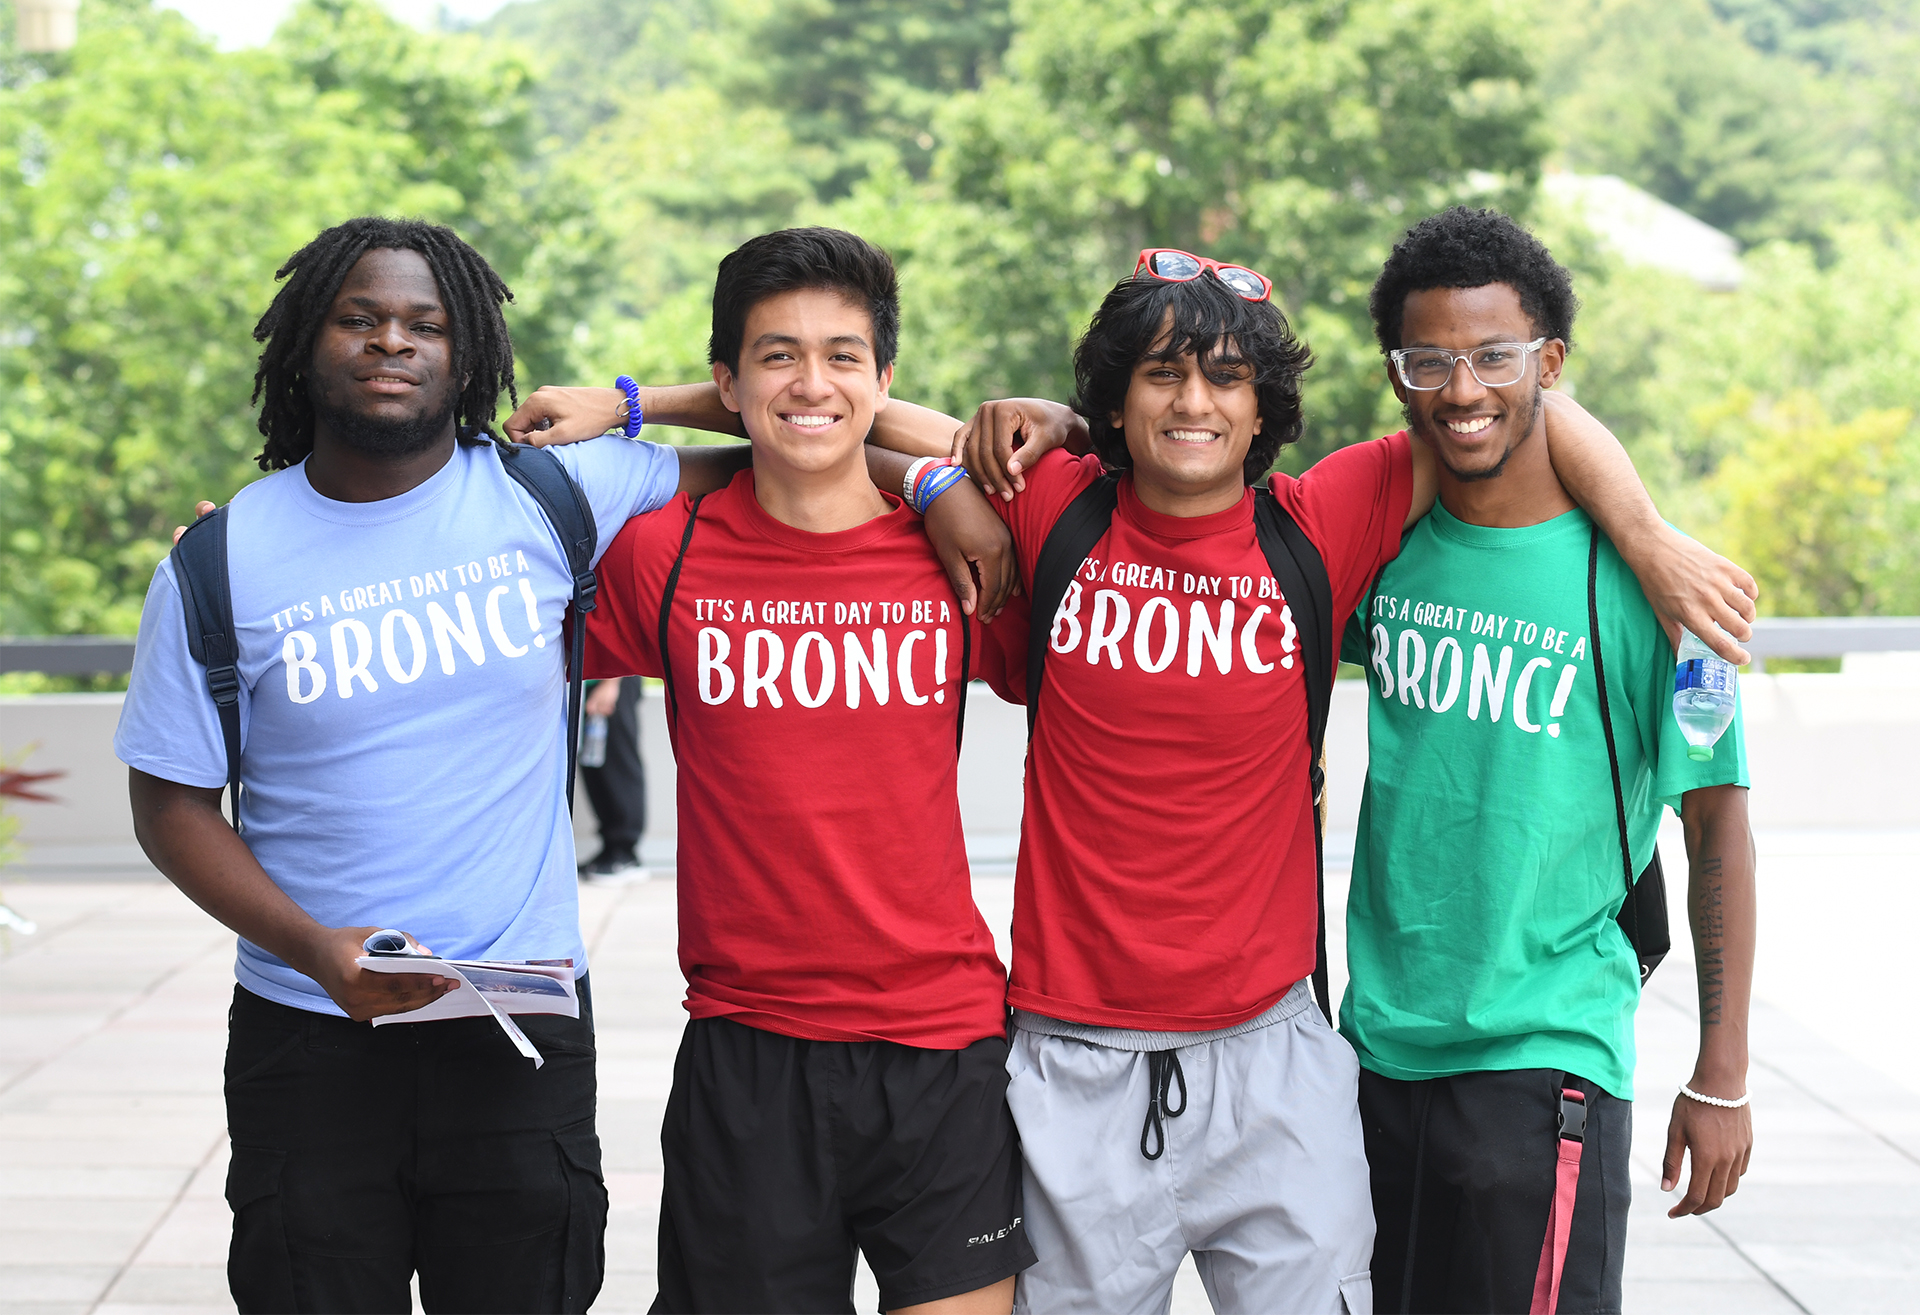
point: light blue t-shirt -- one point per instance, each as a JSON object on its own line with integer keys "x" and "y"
{"x": 402, "y": 703}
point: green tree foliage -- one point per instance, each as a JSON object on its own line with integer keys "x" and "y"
{"x": 1779, "y": 421}
{"x": 148, "y": 191}
{"x": 1765, "y": 118}
{"x": 862, "y": 79}
{"x": 593, "y": 55}
{"x": 1013, "y": 155}
{"x": 1299, "y": 139}
{"x": 1825, "y": 515}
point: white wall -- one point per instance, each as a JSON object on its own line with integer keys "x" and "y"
{"x": 1824, "y": 751}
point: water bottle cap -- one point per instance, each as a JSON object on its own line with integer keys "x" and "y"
{"x": 1700, "y": 753}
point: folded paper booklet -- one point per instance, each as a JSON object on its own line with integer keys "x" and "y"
{"x": 492, "y": 988}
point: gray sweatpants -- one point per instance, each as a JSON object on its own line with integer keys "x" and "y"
{"x": 1263, "y": 1179}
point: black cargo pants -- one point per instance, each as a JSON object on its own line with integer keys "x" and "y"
{"x": 363, "y": 1154}
{"x": 1463, "y": 1177}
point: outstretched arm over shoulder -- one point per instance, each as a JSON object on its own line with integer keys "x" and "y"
{"x": 968, "y": 537}
{"x": 1687, "y": 582}
{"x": 553, "y": 415}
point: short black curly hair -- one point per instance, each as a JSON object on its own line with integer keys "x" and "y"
{"x": 1465, "y": 248}
{"x": 473, "y": 293}
{"x": 1126, "y": 330}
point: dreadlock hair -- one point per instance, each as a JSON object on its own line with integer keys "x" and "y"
{"x": 473, "y": 293}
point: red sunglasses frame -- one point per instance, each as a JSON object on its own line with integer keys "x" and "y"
{"x": 1145, "y": 262}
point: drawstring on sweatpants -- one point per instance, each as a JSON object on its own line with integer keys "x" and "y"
{"x": 1163, "y": 1069}
{"x": 1425, "y": 1098}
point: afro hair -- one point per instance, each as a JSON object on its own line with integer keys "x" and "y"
{"x": 1463, "y": 248}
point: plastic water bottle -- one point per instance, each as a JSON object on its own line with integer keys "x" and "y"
{"x": 1704, "y": 687}
{"x": 593, "y": 742}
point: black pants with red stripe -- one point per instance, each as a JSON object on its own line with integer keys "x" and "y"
{"x": 1463, "y": 1179}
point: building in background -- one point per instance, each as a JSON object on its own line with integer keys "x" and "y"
{"x": 1641, "y": 229}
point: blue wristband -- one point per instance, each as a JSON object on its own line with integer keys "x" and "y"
{"x": 935, "y": 482}
{"x": 626, "y": 385}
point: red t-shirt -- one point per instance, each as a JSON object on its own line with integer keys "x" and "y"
{"x": 1166, "y": 877}
{"x": 823, "y": 883}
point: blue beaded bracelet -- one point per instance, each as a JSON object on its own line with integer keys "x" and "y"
{"x": 626, "y": 385}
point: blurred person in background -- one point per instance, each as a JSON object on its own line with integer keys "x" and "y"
{"x": 617, "y": 785}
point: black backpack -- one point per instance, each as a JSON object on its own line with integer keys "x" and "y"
{"x": 206, "y": 592}
{"x": 1302, "y": 576}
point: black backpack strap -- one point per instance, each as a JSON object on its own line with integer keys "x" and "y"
{"x": 1606, "y": 715}
{"x": 666, "y": 611}
{"x": 1081, "y": 526}
{"x": 1650, "y": 943}
{"x": 540, "y": 473}
{"x": 1302, "y": 576}
{"x": 206, "y": 594}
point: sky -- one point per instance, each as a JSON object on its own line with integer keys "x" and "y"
{"x": 237, "y": 23}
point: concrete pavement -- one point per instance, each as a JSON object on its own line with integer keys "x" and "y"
{"x": 113, "y": 1155}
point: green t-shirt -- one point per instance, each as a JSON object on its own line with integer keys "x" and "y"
{"x": 1480, "y": 924}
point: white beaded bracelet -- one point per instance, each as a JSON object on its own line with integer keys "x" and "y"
{"x": 1691, "y": 1094}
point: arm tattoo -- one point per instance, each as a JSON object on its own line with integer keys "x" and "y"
{"x": 1709, "y": 930}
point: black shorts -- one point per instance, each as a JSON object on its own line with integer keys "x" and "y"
{"x": 1483, "y": 1149}
{"x": 362, "y": 1154}
{"x": 783, "y": 1155}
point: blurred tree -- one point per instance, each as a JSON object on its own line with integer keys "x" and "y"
{"x": 861, "y": 79}
{"x": 592, "y": 55}
{"x": 1777, "y": 422}
{"x": 1825, "y": 515}
{"x": 147, "y": 194}
{"x": 1765, "y": 118}
{"x": 1300, "y": 139}
{"x": 1667, "y": 95}
{"x": 1012, "y": 154}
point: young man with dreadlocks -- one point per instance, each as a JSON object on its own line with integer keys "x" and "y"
{"x": 398, "y": 602}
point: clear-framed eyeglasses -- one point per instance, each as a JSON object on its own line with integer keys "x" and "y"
{"x": 1427, "y": 369}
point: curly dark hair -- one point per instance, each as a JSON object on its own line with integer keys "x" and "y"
{"x": 1217, "y": 325}
{"x": 1464, "y": 248}
{"x": 795, "y": 259}
{"x": 473, "y": 293}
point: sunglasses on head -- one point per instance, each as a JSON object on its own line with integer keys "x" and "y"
{"x": 1173, "y": 266}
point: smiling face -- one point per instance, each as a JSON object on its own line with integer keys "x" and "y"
{"x": 381, "y": 378}
{"x": 807, "y": 389}
{"x": 1473, "y": 429}
{"x": 1188, "y": 430}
